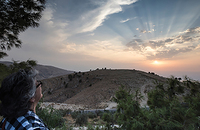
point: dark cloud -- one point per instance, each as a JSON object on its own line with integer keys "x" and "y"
{"x": 169, "y": 40}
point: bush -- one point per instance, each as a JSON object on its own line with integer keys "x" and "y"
{"x": 82, "y": 119}
{"x": 53, "y": 118}
{"x": 63, "y": 112}
{"x": 167, "y": 107}
{"x": 109, "y": 119}
{"x": 70, "y": 77}
{"x": 75, "y": 114}
{"x": 92, "y": 115}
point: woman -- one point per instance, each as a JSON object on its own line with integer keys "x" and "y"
{"x": 19, "y": 95}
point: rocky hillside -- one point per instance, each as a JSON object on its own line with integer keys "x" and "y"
{"x": 95, "y": 87}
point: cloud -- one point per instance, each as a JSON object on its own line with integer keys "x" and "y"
{"x": 123, "y": 21}
{"x": 192, "y": 31}
{"x": 135, "y": 44}
{"x": 94, "y": 18}
{"x": 91, "y": 19}
{"x": 169, "y": 47}
{"x": 169, "y": 53}
{"x": 143, "y": 31}
{"x": 100, "y": 49}
{"x": 155, "y": 44}
{"x": 128, "y": 19}
{"x": 84, "y": 16}
{"x": 169, "y": 40}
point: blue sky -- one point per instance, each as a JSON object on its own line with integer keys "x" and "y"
{"x": 161, "y": 36}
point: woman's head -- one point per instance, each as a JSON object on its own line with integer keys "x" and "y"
{"x": 16, "y": 91}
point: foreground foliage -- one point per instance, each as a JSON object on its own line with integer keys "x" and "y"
{"x": 16, "y": 17}
{"x": 174, "y": 106}
{"x": 52, "y": 118}
{"x": 14, "y": 67}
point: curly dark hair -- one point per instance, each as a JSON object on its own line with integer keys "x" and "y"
{"x": 16, "y": 91}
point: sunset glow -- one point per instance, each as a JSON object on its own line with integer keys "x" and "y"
{"x": 156, "y": 62}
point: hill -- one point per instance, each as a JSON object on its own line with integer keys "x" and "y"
{"x": 45, "y": 71}
{"x": 93, "y": 88}
{"x": 50, "y": 71}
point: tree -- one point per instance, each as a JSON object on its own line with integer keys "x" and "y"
{"x": 173, "y": 106}
{"x": 21, "y": 65}
{"x": 15, "y": 17}
{"x": 14, "y": 67}
{"x": 129, "y": 113}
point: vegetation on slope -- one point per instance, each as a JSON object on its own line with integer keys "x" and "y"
{"x": 172, "y": 107}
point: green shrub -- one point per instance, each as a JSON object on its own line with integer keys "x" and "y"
{"x": 75, "y": 114}
{"x": 92, "y": 115}
{"x": 81, "y": 119}
{"x": 53, "y": 118}
{"x": 172, "y": 107}
{"x": 99, "y": 113}
{"x": 109, "y": 119}
{"x": 63, "y": 112}
{"x": 90, "y": 127}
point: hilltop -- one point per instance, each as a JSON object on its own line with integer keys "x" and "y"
{"x": 94, "y": 88}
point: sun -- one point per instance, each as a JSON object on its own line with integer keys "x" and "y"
{"x": 156, "y": 62}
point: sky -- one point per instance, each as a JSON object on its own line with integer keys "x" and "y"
{"x": 160, "y": 36}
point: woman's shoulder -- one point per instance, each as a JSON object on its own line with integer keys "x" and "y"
{"x": 36, "y": 122}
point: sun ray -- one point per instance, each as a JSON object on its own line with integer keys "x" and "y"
{"x": 173, "y": 18}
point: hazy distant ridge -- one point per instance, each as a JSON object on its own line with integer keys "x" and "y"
{"x": 45, "y": 71}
